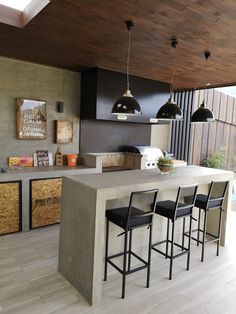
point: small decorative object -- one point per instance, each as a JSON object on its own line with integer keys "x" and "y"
{"x": 31, "y": 119}
{"x": 24, "y": 161}
{"x": 50, "y": 159}
{"x": 64, "y": 132}
{"x": 58, "y": 157}
{"x": 72, "y": 160}
{"x": 165, "y": 164}
{"x": 42, "y": 157}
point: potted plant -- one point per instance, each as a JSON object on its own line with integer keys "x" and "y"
{"x": 165, "y": 164}
{"x": 215, "y": 160}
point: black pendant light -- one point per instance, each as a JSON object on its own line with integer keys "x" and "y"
{"x": 170, "y": 111}
{"x": 127, "y": 105}
{"x": 202, "y": 114}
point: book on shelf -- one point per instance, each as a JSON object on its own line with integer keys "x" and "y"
{"x": 35, "y": 158}
{"x": 23, "y": 161}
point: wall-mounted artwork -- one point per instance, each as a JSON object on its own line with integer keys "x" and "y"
{"x": 30, "y": 119}
{"x": 64, "y": 132}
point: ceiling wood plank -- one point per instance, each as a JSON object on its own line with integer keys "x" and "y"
{"x": 80, "y": 34}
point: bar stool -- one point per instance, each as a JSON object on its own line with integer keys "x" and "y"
{"x": 130, "y": 218}
{"x": 214, "y": 200}
{"x": 173, "y": 210}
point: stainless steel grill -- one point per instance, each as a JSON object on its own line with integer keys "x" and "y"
{"x": 151, "y": 154}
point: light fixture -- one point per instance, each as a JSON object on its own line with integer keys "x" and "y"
{"x": 202, "y": 114}
{"x": 127, "y": 105}
{"x": 170, "y": 111}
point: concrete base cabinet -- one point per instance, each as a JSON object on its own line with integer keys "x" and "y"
{"x": 31, "y": 197}
{"x": 10, "y": 207}
{"x": 84, "y": 201}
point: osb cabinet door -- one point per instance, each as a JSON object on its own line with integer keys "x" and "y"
{"x": 45, "y": 202}
{"x": 10, "y": 207}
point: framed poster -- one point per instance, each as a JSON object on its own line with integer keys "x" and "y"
{"x": 64, "y": 132}
{"x": 30, "y": 119}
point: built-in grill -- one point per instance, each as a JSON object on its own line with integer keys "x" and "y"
{"x": 150, "y": 154}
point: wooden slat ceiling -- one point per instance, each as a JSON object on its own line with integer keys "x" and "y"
{"x": 79, "y": 34}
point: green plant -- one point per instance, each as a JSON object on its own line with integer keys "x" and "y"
{"x": 165, "y": 160}
{"x": 215, "y": 160}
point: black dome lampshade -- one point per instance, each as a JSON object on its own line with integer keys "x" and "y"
{"x": 170, "y": 110}
{"x": 203, "y": 114}
{"x": 127, "y": 104}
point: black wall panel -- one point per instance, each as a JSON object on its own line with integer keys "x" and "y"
{"x": 101, "y": 88}
{"x": 181, "y": 130}
{"x": 107, "y": 136}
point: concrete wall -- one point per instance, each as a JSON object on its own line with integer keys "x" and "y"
{"x": 27, "y": 80}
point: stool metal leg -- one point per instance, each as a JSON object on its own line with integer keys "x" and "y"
{"x": 204, "y": 235}
{"x": 183, "y": 234}
{"x": 199, "y": 225}
{"x": 149, "y": 256}
{"x": 124, "y": 264}
{"x": 130, "y": 248}
{"x": 167, "y": 236}
{"x": 106, "y": 249}
{"x": 172, "y": 249}
{"x": 189, "y": 241}
{"x": 219, "y": 233}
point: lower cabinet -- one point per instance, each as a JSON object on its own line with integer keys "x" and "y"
{"x": 10, "y": 207}
{"x": 45, "y": 202}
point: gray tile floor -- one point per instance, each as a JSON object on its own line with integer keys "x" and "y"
{"x": 30, "y": 283}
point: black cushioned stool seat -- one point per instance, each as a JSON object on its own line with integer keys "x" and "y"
{"x": 212, "y": 201}
{"x": 180, "y": 208}
{"x": 201, "y": 202}
{"x": 129, "y": 218}
{"x": 167, "y": 209}
{"x": 119, "y": 217}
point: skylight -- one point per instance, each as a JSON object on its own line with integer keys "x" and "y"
{"x": 16, "y": 4}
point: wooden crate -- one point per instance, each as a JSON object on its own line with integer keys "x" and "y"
{"x": 45, "y": 202}
{"x": 10, "y": 207}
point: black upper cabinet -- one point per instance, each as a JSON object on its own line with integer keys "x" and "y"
{"x": 101, "y": 88}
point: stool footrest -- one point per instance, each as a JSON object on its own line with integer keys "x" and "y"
{"x": 215, "y": 238}
{"x": 131, "y": 270}
{"x": 185, "y": 250}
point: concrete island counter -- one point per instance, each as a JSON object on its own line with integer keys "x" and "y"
{"x": 84, "y": 201}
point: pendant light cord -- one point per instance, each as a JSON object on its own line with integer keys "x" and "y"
{"x": 173, "y": 45}
{"x": 128, "y": 55}
{"x": 205, "y": 79}
{"x": 207, "y": 55}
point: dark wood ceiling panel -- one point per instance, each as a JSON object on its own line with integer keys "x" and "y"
{"x": 79, "y": 34}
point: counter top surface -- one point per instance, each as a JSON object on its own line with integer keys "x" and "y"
{"x": 135, "y": 177}
{"x": 45, "y": 169}
{"x": 50, "y": 171}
